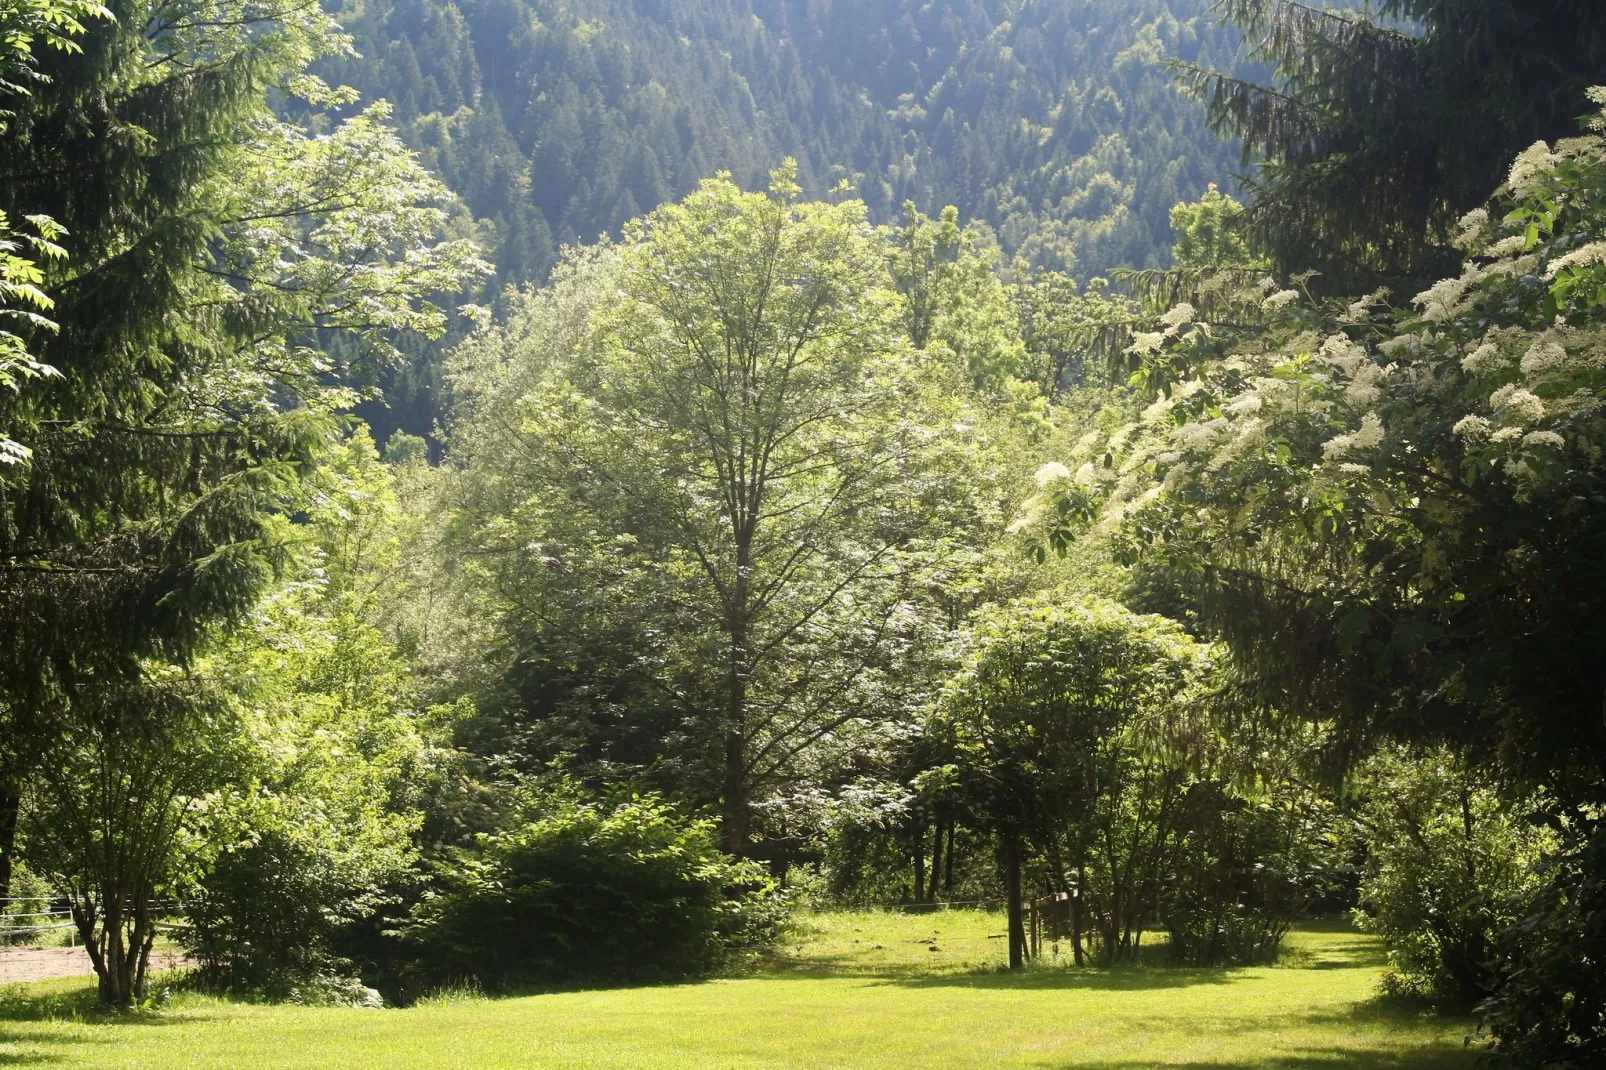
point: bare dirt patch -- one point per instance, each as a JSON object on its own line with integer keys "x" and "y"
{"x": 22, "y": 964}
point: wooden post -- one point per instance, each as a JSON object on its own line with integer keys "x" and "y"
{"x": 1017, "y": 929}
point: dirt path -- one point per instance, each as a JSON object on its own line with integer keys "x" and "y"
{"x": 42, "y": 963}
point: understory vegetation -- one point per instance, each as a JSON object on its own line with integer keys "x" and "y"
{"x": 800, "y": 542}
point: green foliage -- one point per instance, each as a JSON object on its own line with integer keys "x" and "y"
{"x": 1252, "y": 862}
{"x": 1390, "y": 515}
{"x": 740, "y": 482}
{"x": 1451, "y": 865}
{"x": 314, "y": 832}
{"x": 107, "y": 816}
{"x": 1069, "y": 732}
{"x": 582, "y": 892}
{"x": 1548, "y": 1010}
{"x": 1210, "y": 232}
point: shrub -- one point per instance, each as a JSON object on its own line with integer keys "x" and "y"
{"x": 1551, "y": 1009}
{"x": 1248, "y": 869}
{"x": 1452, "y": 865}
{"x": 579, "y": 892}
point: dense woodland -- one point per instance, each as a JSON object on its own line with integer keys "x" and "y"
{"x": 1056, "y": 124}
{"x": 480, "y": 482}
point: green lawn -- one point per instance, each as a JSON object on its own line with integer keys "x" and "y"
{"x": 855, "y": 991}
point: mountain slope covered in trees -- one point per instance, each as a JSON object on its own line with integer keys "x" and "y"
{"x": 1056, "y": 122}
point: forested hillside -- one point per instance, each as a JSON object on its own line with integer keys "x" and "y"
{"x": 1056, "y": 122}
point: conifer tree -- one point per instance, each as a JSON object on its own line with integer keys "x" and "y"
{"x": 209, "y": 247}
{"x": 1409, "y": 113}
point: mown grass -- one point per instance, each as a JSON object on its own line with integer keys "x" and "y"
{"x": 852, "y": 991}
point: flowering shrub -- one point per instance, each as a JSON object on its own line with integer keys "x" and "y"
{"x": 1394, "y": 509}
{"x": 1396, "y": 518}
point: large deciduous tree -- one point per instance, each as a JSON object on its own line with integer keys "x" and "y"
{"x": 717, "y": 462}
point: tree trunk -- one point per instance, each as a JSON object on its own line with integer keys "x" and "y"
{"x": 1012, "y": 892}
{"x": 10, "y": 805}
{"x": 1076, "y": 914}
{"x": 936, "y": 864}
{"x": 735, "y": 796}
{"x": 948, "y": 865}
{"x": 920, "y": 862}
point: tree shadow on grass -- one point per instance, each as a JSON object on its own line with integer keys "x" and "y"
{"x": 1091, "y": 978}
{"x": 1441, "y": 1058}
{"x": 79, "y": 1004}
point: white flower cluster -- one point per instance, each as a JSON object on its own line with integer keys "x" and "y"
{"x": 1444, "y": 299}
{"x": 1544, "y": 357}
{"x": 1516, "y": 405}
{"x": 1534, "y": 163}
{"x": 1368, "y": 436}
{"x": 1483, "y": 360}
{"x": 1587, "y": 256}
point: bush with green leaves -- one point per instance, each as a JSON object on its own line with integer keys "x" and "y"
{"x": 1252, "y": 862}
{"x": 580, "y": 891}
{"x": 1452, "y": 864}
{"x": 1547, "y": 1012}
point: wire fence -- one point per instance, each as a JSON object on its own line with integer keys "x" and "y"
{"x": 41, "y": 921}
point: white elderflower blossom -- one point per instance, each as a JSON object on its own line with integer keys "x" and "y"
{"x": 1367, "y": 386}
{"x": 1483, "y": 360}
{"x": 1199, "y": 436}
{"x": 1351, "y": 468}
{"x": 1522, "y": 406}
{"x": 1534, "y": 162}
{"x": 1180, "y": 316}
{"x": 1585, "y": 256}
{"x": 1280, "y": 299}
{"x": 1158, "y": 412}
{"x": 1505, "y": 434}
{"x": 1342, "y": 353}
{"x": 1499, "y": 397}
{"x": 1145, "y": 343}
{"x": 1545, "y": 356}
{"x": 1251, "y": 434}
{"x": 1087, "y": 475}
{"x": 1365, "y": 437}
{"x": 1597, "y": 94}
{"x": 1175, "y": 476}
{"x": 1399, "y": 343}
{"x": 1535, "y": 439}
{"x": 1473, "y": 224}
{"x": 1244, "y": 404}
{"x": 1508, "y": 246}
{"x": 1088, "y": 441}
{"x": 1051, "y": 473}
{"x": 1473, "y": 427}
{"x": 1443, "y": 299}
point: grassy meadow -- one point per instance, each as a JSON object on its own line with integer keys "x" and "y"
{"x": 851, "y": 990}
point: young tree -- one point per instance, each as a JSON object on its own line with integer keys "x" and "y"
{"x": 725, "y": 454}
{"x": 1065, "y": 718}
{"x": 108, "y": 813}
{"x": 1450, "y": 865}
